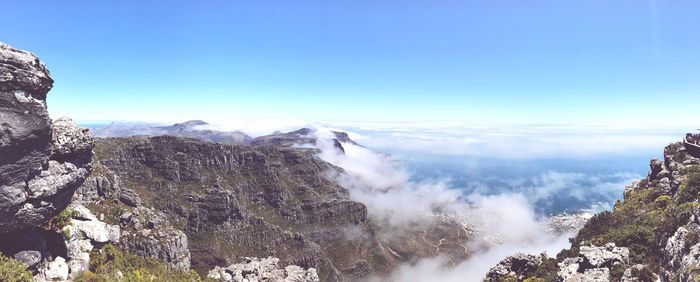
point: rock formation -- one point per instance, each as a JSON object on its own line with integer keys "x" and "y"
{"x": 256, "y": 269}
{"x": 593, "y": 263}
{"x": 147, "y": 233}
{"x": 517, "y": 266}
{"x": 41, "y": 164}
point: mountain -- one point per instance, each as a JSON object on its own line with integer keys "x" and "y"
{"x": 259, "y": 200}
{"x": 193, "y": 129}
{"x": 651, "y": 235}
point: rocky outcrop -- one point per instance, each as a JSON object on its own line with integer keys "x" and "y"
{"x": 41, "y": 164}
{"x": 267, "y": 269}
{"x": 593, "y": 263}
{"x": 568, "y": 223}
{"x": 83, "y": 233}
{"x": 147, "y": 233}
{"x": 517, "y": 266}
{"x": 639, "y": 273}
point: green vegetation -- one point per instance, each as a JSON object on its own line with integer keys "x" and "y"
{"x": 643, "y": 219}
{"x": 546, "y": 272}
{"x": 111, "y": 264}
{"x": 62, "y": 219}
{"x": 13, "y": 271}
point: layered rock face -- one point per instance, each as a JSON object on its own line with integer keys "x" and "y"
{"x": 240, "y": 200}
{"x": 41, "y": 164}
{"x": 593, "y": 263}
{"x": 517, "y": 266}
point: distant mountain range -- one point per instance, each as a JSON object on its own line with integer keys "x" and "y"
{"x": 193, "y": 129}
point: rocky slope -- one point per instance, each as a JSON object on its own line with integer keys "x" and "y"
{"x": 652, "y": 235}
{"x": 272, "y": 198}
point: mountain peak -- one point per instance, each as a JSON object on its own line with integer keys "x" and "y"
{"x": 191, "y": 123}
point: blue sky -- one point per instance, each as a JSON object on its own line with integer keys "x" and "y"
{"x": 566, "y": 62}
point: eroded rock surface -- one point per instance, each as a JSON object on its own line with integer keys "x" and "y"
{"x": 41, "y": 164}
{"x": 593, "y": 263}
{"x": 267, "y": 269}
{"x": 517, "y": 266}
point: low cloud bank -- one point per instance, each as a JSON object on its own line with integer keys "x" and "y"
{"x": 505, "y": 223}
{"x": 476, "y": 267}
{"x": 513, "y": 141}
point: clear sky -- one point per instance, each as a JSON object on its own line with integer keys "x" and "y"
{"x": 579, "y": 62}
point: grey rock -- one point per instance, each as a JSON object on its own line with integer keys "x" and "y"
{"x": 129, "y": 197}
{"x": 675, "y": 247}
{"x": 89, "y": 227}
{"x": 53, "y": 271}
{"x": 655, "y": 167}
{"x": 29, "y": 258}
{"x": 70, "y": 142}
{"x": 101, "y": 184}
{"x": 605, "y": 256}
{"x": 596, "y": 275}
{"x": 267, "y": 269}
{"x": 639, "y": 273}
{"x": 161, "y": 241}
{"x": 688, "y": 268}
{"x": 40, "y": 167}
{"x": 518, "y": 265}
{"x": 593, "y": 263}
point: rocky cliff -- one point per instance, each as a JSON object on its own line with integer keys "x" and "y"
{"x": 246, "y": 201}
{"x": 41, "y": 163}
{"x": 651, "y": 235}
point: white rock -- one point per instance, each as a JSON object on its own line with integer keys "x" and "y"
{"x": 56, "y": 270}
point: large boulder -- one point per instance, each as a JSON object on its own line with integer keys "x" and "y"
{"x": 592, "y": 263}
{"x": 517, "y": 266}
{"x": 40, "y": 165}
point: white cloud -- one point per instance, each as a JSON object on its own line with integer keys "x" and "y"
{"x": 506, "y": 141}
{"x": 505, "y": 223}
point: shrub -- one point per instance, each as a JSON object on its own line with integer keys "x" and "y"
{"x": 12, "y": 270}
{"x": 688, "y": 191}
{"x": 62, "y": 219}
{"x": 106, "y": 263}
{"x": 545, "y": 272}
